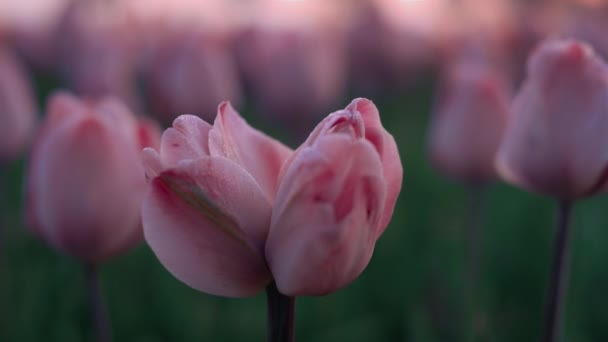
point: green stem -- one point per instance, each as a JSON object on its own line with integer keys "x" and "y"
{"x": 473, "y": 240}
{"x": 3, "y": 202}
{"x": 558, "y": 283}
{"x": 281, "y": 315}
{"x": 97, "y": 310}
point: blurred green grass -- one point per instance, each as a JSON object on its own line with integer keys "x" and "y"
{"x": 413, "y": 289}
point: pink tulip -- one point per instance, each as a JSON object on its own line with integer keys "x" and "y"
{"x": 589, "y": 25}
{"x": 96, "y": 48}
{"x": 556, "y": 140}
{"x": 390, "y": 41}
{"x": 336, "y": 196}
{"x": 190, "y": 72}
{"x": 207, "y": 213}
{"x": 294, "y": 74}
{"x": 469, "y": 121}
{"x": 17, "y": 106}
{"x": 30, "y": 27}
{"x": 229, "y": 209}
{"x": 86, "y": 180}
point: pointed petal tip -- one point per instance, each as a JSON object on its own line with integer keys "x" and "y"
{"x": 61, "y": 103}
{"x": 151, "y": 162}
{"x": 61, "y": 95}
{"x": 576, "y": 51}
{"x": 225, "y": 106}
{"x": 361, "y": 102}
{"x": 182, "y": 122}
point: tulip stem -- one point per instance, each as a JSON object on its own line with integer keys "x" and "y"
{"x": 97, "y": 310}
{"x": 473, "y": 234}
{"x": 281, "y": 314}
{"x": 473, "y": 239}
{"x": 3, "y": 197}
{"x": 558, "y": 283}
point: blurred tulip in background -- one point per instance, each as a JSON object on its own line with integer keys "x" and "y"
{"x": 470, "y": 116}
{"x": 282, "y": 64}
{"x": 556, "y": 139}
{"x": 292, "y": 58}
{"x": 393, "y": 42}
{"x": 85, "y": 180}
{"x": 31, "y": 27}
{"x": 18, "y": 110}
{"x": 190, "y": 72}
{"x": 96, "y": 51}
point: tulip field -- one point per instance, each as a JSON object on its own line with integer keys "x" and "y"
{"x": 281, "y": 171}
{"x": 412, "y": 290}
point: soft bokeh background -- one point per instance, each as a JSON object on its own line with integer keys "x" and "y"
{"x": 413, "y": 290}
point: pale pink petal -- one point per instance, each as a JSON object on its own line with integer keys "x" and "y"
{"x": 17, "y": 107}
{"x": 207, "y": 222}
{"x": 189, "y": 72}
{"x": 86, "y": 187}
{"x": 61, "y": 104}
{"x": 152, "y": 164}
{"x": 389, "y": 154}
{"x": 257, "y": 153}
{"x": 341, "y": 121}
{"x": 327, "y": 216}
{"x": 116, "y": 113}
{"x": 186, "y": 140}
{"x": 148, "y": 133}
{"x": 468, "y": 123}
{"x": 556, "y": 140}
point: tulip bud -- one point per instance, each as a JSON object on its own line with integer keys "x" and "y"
{"x": 588, "y": 25}
{"x": 555, "y": 140}
{"x": 336, "y": 196}
{"x": 85, "y": 180}
{"x": 17, "y": 107}
{"x": 96, "y": 51}
{"x": 294, "y": 74}
{"x": 390, "y": 41}
{"x": 191, "y": 72}
{"x": 468, "y": 122}
{"x": 207, "y": 212}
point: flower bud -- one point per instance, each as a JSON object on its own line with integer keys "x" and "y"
{"x": 468, "y": 122}
{"x": 85, "y": 180}
{"x": 190, "y": 72}
{"x": 17, "y": 107}
{"x": 556, "y": 140}
{"x": 336, "y": 196}
{"x": 207, "y": 213}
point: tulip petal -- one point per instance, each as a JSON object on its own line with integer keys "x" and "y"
{"x": 335, "y": 122}
{"x": 17, "y": 107}
{"x": 556, "y": 140}
{"x": 389, "y": 154}
{"x": 338, "y": 122}
{"x": 207, "y": 221}
{"x": 151, "y": 162}
{"x": 186, "y": 140}
{"x": 147, "y": 133}
{"x": 60, "y": 104}
{"x": 468, "y": 123}
{"x": 85, "y": 186}
{"x": 326, "y": 216}
{"x": 259, "y": 154}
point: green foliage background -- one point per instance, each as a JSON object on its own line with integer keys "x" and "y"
{"x": 413, "y": 289}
